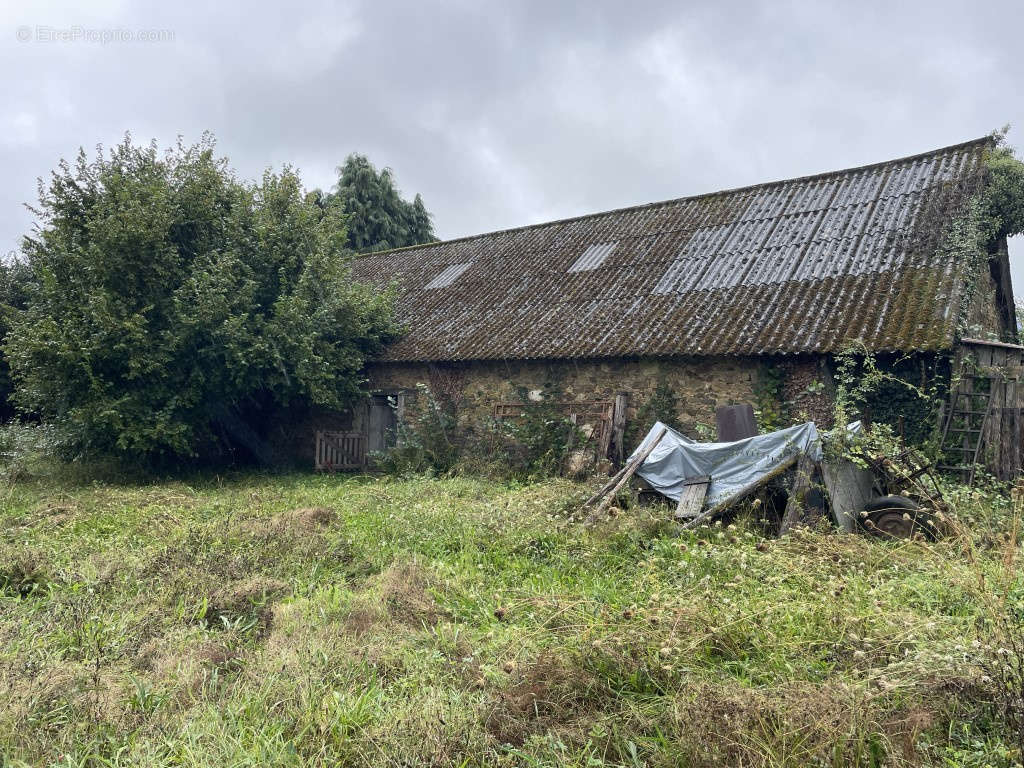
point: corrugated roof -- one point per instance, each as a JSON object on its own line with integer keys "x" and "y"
{"x": 797, "y": 266}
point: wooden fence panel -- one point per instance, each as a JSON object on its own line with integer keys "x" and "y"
{"x": 340, "y": 451}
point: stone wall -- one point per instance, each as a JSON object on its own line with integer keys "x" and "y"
{"x": 474, "y": 388}
{"x": 808, "y": 391}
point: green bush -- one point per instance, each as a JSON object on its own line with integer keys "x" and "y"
{"x": 171, "y": 306}
{"x": 542, "y": 437}
{"x": 25, "y": 449}
{"x": 14, "y": 281}
{"x": 535, "y": 444}
{"x": 426, "y": 441}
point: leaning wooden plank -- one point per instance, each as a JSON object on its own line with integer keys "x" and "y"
{"x": 605, "y": 488}
{"x": 749, "y": 488}
{"x": 630, "y": 470}
{"x": 630, "y": 466}
{"x": 849, "y": 490}
{"x": 618, "y": 440}
{"x": 796, "y": 504}
{"x": 695, "y": 490}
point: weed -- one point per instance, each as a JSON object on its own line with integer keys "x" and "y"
{"x": 300, "y": 620}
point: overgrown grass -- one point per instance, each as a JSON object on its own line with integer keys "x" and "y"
{"x": 305, "y": 620}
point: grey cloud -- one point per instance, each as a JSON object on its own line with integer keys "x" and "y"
{"x": 503, "y": 114}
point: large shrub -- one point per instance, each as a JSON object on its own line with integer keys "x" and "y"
{"x": 172, "y": 305}
{"x": 14, "y": 280}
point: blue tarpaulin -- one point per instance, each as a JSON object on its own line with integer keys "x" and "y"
{"x": 733, "y": 467}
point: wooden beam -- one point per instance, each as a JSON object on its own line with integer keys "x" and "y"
{"x": 604, "y": 489}
{"x": 796, "y": 505}
{"x": 627, "y": 473}
{"x": 849, "y": 490}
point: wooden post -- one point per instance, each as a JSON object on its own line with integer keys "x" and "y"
{"x": 604, "y": 447}
{"x": 796, "y": 507}
{"x": 399, "y": 417}
{"x": 849, "y": 490}
{"x": 619, "y": 428}
{"x": 967, "y": 385}
{"x": 993, "y": 429}
{"x": 1015, "y": 431}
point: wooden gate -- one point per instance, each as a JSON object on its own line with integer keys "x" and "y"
{"x": 595, "y": 414}
{"x": 340, "y": 451}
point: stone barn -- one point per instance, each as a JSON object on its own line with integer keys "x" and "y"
{"x": 729, "y": 297}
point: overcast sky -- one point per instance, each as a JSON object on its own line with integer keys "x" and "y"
{"x": 502, "y": 114}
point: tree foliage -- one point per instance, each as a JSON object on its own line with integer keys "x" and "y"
{"x": 14, "y": 279}
{"x": 1003, "y": 197}
{"x": 377, "y": 217}
{"x": 172, "y": 306}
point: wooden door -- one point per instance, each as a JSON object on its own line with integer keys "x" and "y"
{"x": 381, "y": 424}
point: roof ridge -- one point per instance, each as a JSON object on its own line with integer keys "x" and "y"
{"x": 988, "y": 138}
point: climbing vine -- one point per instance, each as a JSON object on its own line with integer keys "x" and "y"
{"x": 996, "y": 210}
{"x": 662, "y": 405}
{"x": 902, "y": 393}
{"x": 770, "y": 409}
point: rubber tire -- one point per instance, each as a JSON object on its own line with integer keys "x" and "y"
{"x": 891, "y": 502}
{"x": 916, "y": 524}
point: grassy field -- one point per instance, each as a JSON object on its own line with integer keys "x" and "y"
{"x": 305, "y": 620}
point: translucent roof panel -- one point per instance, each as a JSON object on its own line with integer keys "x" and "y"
{"x": 593, "y": 257}
{"x": 448, "y": 275}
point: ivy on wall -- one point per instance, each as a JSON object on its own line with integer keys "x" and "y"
{"x": 898, "y": 391}
{"x": 769, "y": 405}
{"x": 662, "y": 405}
{"x": 994, "y": 212}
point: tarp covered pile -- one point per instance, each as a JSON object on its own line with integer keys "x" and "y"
{"x": 733, "y": 467}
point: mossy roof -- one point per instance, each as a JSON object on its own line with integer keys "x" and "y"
{"x": 797, "y": 266}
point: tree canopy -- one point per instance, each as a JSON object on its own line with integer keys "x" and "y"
{"x": 1003, "y": 196}
{"x": 377, "y": 217}
{"x": 170, "y": 304}
{"x": 14, "y": 280}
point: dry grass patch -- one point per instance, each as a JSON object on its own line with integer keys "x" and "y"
{"x": 405, "y": 592}
{"x": 248, "y": 601}
{"x": 546, "y": 695}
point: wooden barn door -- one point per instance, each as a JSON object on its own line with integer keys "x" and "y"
{"x": 381, "y": 424}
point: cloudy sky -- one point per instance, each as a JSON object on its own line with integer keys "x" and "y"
{"x": 507, "y": 113}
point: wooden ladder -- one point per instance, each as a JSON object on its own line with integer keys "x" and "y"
{"x": 964, "y": 432}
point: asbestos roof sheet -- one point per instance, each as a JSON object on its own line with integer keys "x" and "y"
{"x": 797, "y": 266}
